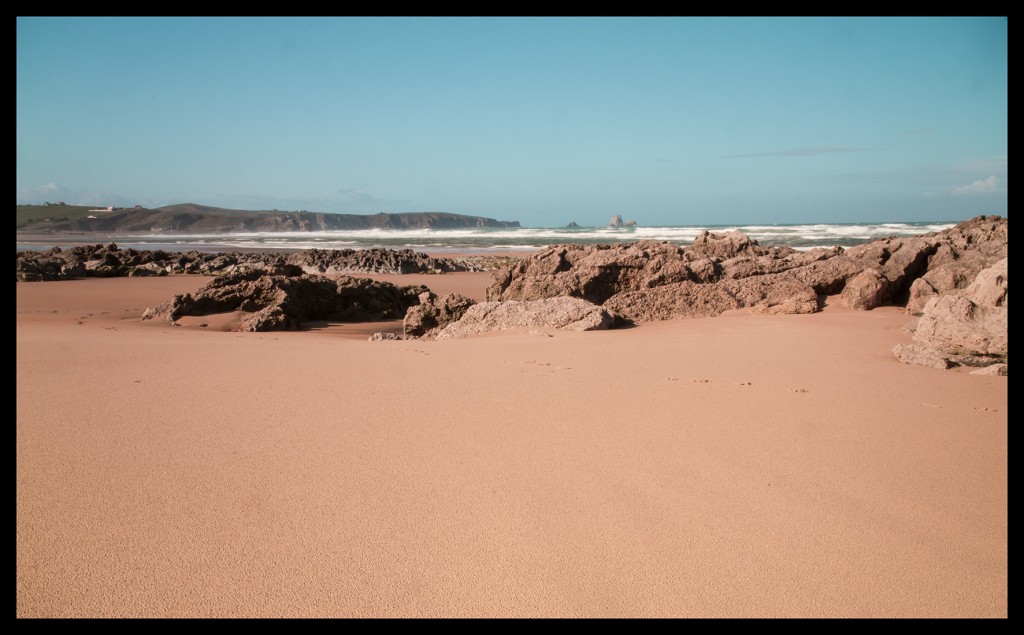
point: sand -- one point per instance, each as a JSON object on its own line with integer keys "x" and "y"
{"x": 739, "y": 466}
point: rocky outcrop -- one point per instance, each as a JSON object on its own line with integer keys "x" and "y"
{"x": 597, "y": 272}
{"x": 964, "y": 250}
{"x": 284, "y": 302}
{"x": 433, "y": 313}
{"x": 572, "y": 314}
{"x": 967, "y": 327}
{"x": 649, "y": 280}
{"x": 111, "y": 261}
{"x": 690, "y": 300}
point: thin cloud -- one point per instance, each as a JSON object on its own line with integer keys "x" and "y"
{"x": 803, "y": 152}
{"x": 936, "y": 179}
{"x": 981, "y": 186}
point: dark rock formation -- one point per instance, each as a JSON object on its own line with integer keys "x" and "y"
{"x": 566, "y": 313}
{"x": 109, "y": 261}
{"x": 433, "y": 313}
{"x": 283, "y": 302}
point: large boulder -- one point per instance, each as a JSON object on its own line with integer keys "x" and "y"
{"x": 571, "y": 314}
{"x": 945, "y": 277}
{"x": 967, "y": 327}
{"x": 725, "y": 245}
{"x": 433, "y": 313}
{"x": 866, "y": 290}
{"x": 973, "y": 322}
{"x": 922, "y": 356}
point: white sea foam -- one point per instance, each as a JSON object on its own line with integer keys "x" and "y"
{"x": 806, "y": 236}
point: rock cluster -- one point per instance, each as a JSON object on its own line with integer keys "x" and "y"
{"x": 111, "y": 261}
{"x": 375, "y": 260}
{"x": 648, "y": 280}
{"x": 955, "y": 280}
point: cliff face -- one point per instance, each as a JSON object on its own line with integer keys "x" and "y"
{"x": 195, "y": 219}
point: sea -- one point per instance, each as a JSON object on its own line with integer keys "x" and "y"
{"x": 492, "y": 240}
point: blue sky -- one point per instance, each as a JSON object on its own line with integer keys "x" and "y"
{"x": 669, "y": 121}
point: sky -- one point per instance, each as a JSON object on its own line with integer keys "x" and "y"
{"x": 667, "y": 121}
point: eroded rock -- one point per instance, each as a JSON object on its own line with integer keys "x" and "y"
{"x": 571, "y": 314}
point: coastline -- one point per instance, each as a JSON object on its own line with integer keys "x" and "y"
{"x": 742, "y": 465}
{"x": 488, "y": 241}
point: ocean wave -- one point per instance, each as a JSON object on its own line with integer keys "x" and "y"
{"x": 803, "y": 236}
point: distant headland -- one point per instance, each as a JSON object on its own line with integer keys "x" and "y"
{"x": 190, "y": 218}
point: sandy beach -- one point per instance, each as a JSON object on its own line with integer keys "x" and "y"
{"x": 737, "y": 466}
